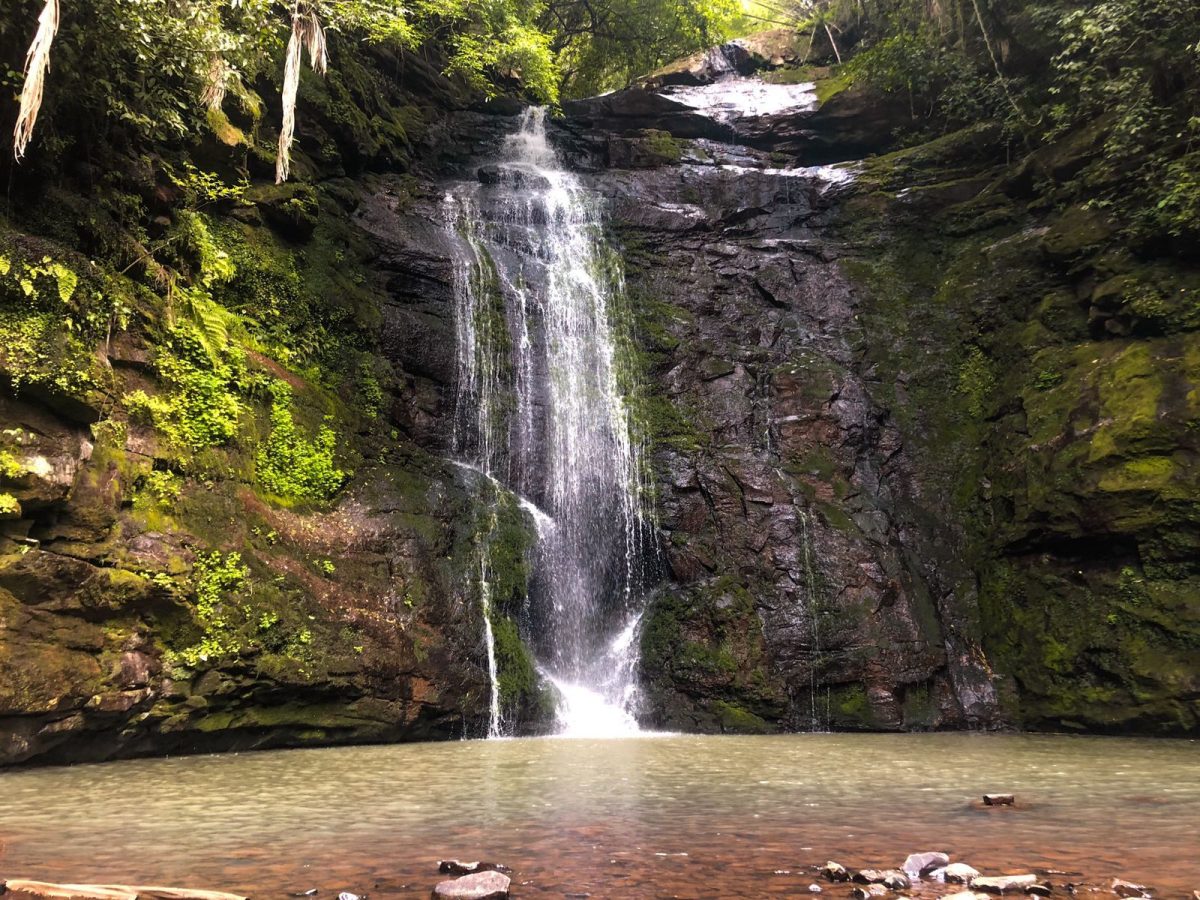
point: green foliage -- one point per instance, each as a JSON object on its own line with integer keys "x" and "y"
{"x": 9, "y": 507}
{"x": 605, "y": 44}
{"x": 9, "y": 467}
{"x": 215, "y": 578}
{"x": 1136, "y": 64}
{"x": 159, "y": 487}
{"x": 292, "y": 466}
{"x": 200, "y": 408}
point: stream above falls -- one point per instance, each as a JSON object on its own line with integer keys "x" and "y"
{"x": 682, "y": 816}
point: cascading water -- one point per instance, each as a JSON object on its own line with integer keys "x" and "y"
{"x": 541, "y": 409}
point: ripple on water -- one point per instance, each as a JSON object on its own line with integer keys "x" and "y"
{"x": 588, "y": 815}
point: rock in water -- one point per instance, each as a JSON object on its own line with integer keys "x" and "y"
{"x": 869, "y": 876}
{"x": 867, "y": 891}
{"x": 999, "y": 799}
{"x": 458, "y": 867}
{"x": 835, "y": 871}
{"x": 896, "y": 881}
{"x": 1003, "y": 884}
{"x": 918, "y": 864}
{"x": 480, "y": 886}
{"x": 1129, "y": 889}
{"x": 814, "y": 889}
{"x": 958, "y": 873}
{"x": 1039, "y": 890}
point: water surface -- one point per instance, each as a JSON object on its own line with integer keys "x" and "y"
{"x": 678, "y": 816}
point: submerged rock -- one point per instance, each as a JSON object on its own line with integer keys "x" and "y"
{"x": 918, "y": 864}
{"x": 999, "y": 799}
{"x": 1003, "y": 884}
{"x": 1124, "y": 888}
{"x": 1039, "y": 890}
{"x": 480, "y": 886}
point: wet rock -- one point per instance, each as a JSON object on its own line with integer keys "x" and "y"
{"x": 835, "y": 871}
{"x": 814, "y": 889}
{"x": 480, "y": 886}
{"x": 999, "y": 799}
{"x": 957, "y": 873}
{"x": 866, "y": 891}
{"x": 346, "y": 895}
{"x": 965, "y": 895}
{"x": 896, "y": 881}
{"x": 458, "y": 867}
{"x": 1003, "y": 884}
{"x": 1124, "y": 888}
{"x": 918, "y": 864}
{"x": 1039, "y": 890}
{"x": 870, "y": 876}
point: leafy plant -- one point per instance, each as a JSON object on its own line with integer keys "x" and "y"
{"x": 291, "y": 465}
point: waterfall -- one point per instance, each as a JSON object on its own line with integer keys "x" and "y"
{"x": 541, "y": 409}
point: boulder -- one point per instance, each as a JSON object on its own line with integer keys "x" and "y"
{"x": 1003, "y": 884}
{"x": 957, "y": 873}
{"x": 480, "y": 886}
{"x": 918, "y": 864}
{"x": 835, "y": 871}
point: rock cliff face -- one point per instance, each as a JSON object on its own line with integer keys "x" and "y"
{"x": 924, "y": 445}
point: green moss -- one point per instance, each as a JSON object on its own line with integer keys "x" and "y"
{"x": 292, "y": 466}
{"x": 734, "y": 719}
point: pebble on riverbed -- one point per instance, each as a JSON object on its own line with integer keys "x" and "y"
{"x": 490, "y": 885}
{"x": 999, "y": 800}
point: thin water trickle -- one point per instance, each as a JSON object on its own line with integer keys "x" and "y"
{"x": 540, "y": 410}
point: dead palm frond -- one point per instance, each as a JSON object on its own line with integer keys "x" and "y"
{"x": 307, "y": 34}
{"x": 216, "y": 82}
{"x": 37, "y": 64}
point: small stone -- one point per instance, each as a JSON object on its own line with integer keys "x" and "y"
{"x": 490, "y": 885}
{"x": 835, "y": 871}
{"x": 965, "y": 895}
{"x": 458, "y": 867}
{"x": 1039, "y": 890}
{"x": 867, "y": 891}
{"x": 814, "y": 889}
{"x": 918, "y": 864}
{"x": 958, "y": 873}
{"x": 1003, "y": 884}
{"x": 311, "y": 892}
{"x": 1129, "y": 889}
{"x": 999, "y": 799}
{"x": 346, "y": 895}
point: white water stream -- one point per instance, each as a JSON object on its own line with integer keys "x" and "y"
{"x": 541, "y": 410}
